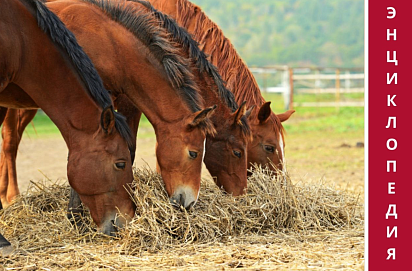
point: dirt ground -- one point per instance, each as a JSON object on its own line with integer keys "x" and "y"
{"x": 333, "y": 158}
{"x": 46, "y": 157}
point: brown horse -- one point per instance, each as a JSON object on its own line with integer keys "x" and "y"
{"x": 156, "y": 79}
{"x": 225, "y": 155}
{"x": 226, "y": 152}
{"x": 268, "y": 132}
{"x": 42, "y": 65}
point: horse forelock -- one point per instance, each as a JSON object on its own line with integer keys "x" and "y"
{"x": 246, "y": 130}
{"x": 278, "y": 127}
{"x": 124, "y": 130}
{"x": 183, "y": 37}
{"x": 50, "y": 24}
{"x": 146, "y": 28}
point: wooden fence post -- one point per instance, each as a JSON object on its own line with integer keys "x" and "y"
{"x": 291, "y": 88}
{"x": 337, "y": 86}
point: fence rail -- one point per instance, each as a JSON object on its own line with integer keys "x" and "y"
{"x": 313, "y": 81}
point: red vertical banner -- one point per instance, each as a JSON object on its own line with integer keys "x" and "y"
{"x": 390, "y": 135}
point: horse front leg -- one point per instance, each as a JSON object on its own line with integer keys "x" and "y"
{"x": 3, "y": 112}
{"x": 14, "y": 124}
{"x": 75, "y": 210}
{"x": 132, "y": 114}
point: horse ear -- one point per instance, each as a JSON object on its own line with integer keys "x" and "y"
{"x": 249, "y": 111}
{"x": 285, "y": 116}
{"x": 201, "y": 116}
{"x": 107, "y": 120}
{"x": 264, "y": 112}
{"x": 240, "y": 112}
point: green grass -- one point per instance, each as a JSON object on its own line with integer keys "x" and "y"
{"x": 305, "y": 119}
{"x": 42, "y": 126}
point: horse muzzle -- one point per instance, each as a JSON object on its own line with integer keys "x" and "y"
{"x": 184, "y": 196}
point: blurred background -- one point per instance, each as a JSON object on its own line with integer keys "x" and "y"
{"x": 305, "y": 54}
{"x": 325, "y": 33}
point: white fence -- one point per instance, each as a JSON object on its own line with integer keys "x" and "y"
{"x": 315, "y": 81}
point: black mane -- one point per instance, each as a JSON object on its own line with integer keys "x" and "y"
{"x": 59, "y": 34}
{"x": 181, "y": 35}
{"x": 147, "y": 30}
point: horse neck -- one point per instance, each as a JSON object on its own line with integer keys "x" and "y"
{"x": 62, "y": 96}
{"x": 222, "y": 54}
{"x": 126, "y": 66}
{"x": 45, "y": 73}
{"x": 150, "y": 91}
{"x": 209, "y": 92}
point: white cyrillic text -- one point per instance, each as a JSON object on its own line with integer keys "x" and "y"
{"x": 390, "y": 59}
{"x": 388, "y": 165}
{"x": 391, "y": 188}
{"x": 389, "y": 78}
{"x": 390, "y": 100}
{"x": 389, "y": 34}
{"x": 391, "y": 253}
{"x": 390, "y": 232}
{"x": 392, "y": 146}
{"x": 391, "y": 120}
{"x": 391, "y": 211}
{"x": 391, "y": 12}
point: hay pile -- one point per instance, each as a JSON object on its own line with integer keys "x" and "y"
{"x": 270, "y": 206}
{"x": 272, "y": 210}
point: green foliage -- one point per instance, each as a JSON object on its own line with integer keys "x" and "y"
{"x": 292, "y": 32}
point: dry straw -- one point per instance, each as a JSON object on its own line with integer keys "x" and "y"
{"x": 37, "y": 226}
{"x": 272, "y": 204}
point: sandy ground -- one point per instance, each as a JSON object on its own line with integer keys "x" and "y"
{"x": 332, "y": 158}
{"x": 42, "y": 157}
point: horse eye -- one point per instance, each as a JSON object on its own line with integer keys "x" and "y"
{"x": 120, "y": 165}
{"x": 237, "y": 153}
{"x": 193, "y": 154}
{"x": 269, "y": 148}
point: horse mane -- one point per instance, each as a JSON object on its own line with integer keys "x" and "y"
{"x": 145, "y": 28}
{"x": 50, "y": 24}
{"x": 232, "y": 68}
{"x": 183, "y": 37}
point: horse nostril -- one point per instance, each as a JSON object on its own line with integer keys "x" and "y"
{"x": 114, "y": 228}
{"x": 190, "y": 205}
{"x": 174, "y": 203}
{"x": 178, "y": 201}
{"x": 182, "y": 200}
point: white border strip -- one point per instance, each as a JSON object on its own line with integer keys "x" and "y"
{"x": 366, "y": 129}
